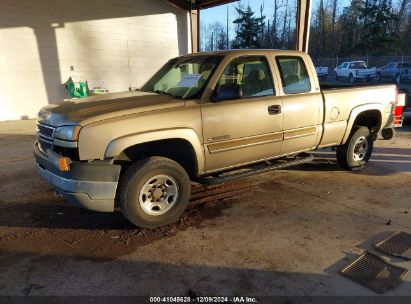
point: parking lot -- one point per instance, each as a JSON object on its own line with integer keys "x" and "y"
{"x": 287, "y": 232}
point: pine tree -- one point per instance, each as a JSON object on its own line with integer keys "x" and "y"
{"x": 378, "y": 23}
{"x": 248, "y": 29}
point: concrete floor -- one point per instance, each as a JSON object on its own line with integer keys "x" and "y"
{"x": 289, "y": 234}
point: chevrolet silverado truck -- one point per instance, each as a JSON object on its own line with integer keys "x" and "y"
{"x": 207, "y": 118}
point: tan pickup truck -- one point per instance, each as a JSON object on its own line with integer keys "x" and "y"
{"x": 205, "y": 117}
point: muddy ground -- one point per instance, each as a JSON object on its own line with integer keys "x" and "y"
{"x": 280, "y": 233}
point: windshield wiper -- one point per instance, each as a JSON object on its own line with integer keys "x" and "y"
{"x": 163, "y": 93}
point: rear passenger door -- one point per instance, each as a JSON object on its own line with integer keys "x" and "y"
{"x": 302, "y": 104}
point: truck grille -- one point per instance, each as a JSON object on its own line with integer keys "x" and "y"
{"x": 45, "y": 136}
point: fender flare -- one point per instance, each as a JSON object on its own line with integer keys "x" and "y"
{"x": 357, "y": 111}
{"x": 118, "y": 145}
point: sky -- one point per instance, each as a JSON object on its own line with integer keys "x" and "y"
{"x": 218, "y": 13}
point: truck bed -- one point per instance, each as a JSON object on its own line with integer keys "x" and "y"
{"x": 336, "y": 86}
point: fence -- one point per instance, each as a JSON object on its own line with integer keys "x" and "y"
{"x": 371, "y": 61}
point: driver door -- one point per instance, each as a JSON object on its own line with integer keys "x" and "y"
{"x": 242, "y": 130}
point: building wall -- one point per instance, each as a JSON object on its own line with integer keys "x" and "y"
{"x": 119, "y": 42}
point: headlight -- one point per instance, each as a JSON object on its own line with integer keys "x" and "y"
{"x": 68, "y": 132}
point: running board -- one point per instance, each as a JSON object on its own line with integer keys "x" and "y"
{"x": 256, "y": 169}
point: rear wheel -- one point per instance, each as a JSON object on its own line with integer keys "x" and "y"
{"x": 154, "y": 192}
{"x": 388, "y": 133}
{"x": 356, "y": 152}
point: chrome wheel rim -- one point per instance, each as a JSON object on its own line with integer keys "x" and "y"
{"x": 360, "y": 148}
{"x": 159, "y": 194}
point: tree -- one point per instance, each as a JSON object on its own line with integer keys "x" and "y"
{"x": 215, "y": 37}
{"x": 248, "y": 29}
{"x": 378, "y": 27}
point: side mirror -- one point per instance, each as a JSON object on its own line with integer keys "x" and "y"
{"x": 227, "y": 91}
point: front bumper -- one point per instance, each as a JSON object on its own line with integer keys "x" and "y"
{"x": 88, "y": 185}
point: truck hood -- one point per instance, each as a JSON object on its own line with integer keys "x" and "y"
{"x": 91, "y": 109}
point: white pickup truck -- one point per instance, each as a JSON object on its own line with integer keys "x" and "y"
{"x": 322, "y": 72}
{"x": 354, "y": 70}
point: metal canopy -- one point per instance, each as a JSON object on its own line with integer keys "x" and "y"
{"x": 198, "y": 4}
{"x": 194, "y": 7}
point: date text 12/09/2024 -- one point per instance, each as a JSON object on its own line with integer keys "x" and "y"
{"x": 203, "y": 299}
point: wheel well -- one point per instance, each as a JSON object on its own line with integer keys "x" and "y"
{"x": 370, "y": 119}
{"x": 179, "y": 150}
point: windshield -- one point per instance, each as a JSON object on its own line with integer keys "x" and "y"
{"x": 183, "y": 77}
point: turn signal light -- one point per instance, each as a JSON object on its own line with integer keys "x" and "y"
{"x": 64, "y": 163}
{"x": 76, "y": 132}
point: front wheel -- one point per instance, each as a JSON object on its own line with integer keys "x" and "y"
{"x": 356, "y": 152}
{"x": 154, "y": 192}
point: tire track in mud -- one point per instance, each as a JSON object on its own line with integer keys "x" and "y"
{"x": 52, "y": 226}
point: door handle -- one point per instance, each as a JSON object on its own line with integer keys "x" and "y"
{"x": 274, "y": 109}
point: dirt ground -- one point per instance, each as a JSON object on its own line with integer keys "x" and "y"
{"x": 287, "y": 232}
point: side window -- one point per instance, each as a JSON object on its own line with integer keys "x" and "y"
{"x": 252, "y": 74}
{"x": 345, "y": 65}
{"x": 294, "y": 75}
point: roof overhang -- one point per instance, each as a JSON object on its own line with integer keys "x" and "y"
{"x": 198, "y": 4}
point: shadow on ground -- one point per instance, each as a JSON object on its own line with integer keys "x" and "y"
{"x": 25, "y": 273}
{"x": 384, "y": 161}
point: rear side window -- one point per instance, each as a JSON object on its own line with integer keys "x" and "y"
{"x": 294, "y": 75}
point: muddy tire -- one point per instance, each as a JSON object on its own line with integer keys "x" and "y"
{"x": 388, "y": 133}
{"x": 356, "y": 152}
{"x": 154, "y": 192}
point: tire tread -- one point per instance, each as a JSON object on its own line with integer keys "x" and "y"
{"x": 130, "y": 174}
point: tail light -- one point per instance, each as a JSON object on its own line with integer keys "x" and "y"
{"x": 399, "y": 107}
{"x": 400, "y": 99}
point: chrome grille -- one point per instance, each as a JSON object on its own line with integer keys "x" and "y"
{"x": 45, "y": 136}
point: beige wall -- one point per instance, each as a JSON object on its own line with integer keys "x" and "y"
{"x": 120, "y": 42}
